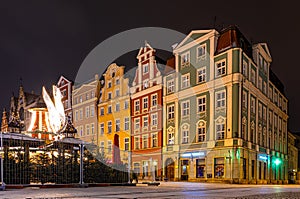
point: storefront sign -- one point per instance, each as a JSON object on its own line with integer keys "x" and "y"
{"x": 193, "y": 154}
{"x": 262, "y": 157}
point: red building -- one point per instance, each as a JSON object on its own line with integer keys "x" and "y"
{"x": 146, "y": 116}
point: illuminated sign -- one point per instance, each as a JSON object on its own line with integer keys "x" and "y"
{"x": 263, "y": 157}
{"x": 193, "y": 154}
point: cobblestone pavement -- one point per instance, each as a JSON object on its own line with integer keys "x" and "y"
{"x": 172, "y": 190}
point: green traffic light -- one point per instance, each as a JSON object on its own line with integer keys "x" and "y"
{"x": 277, "y": 161}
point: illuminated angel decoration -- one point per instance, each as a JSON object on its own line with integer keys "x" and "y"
{"x": 56, "y": 112}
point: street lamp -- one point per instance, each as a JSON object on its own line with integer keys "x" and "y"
{"x": 277, "y": 162}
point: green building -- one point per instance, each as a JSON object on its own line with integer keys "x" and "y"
{"x": 225, "y": 112}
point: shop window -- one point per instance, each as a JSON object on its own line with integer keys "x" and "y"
{"x": 219, "y": 167}
{"x": 200, "y": 169}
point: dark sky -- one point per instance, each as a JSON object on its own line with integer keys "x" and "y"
{"x": 41, "y": 40}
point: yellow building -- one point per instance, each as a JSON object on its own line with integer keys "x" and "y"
{"x": 114, "y": 115}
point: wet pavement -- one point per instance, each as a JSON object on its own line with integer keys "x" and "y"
{"x": 164, "y": 190}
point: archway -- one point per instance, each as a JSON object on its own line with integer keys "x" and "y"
{"x": 170, "y": 169}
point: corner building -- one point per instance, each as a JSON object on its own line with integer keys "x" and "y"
{"x": 225, "y": 112}
{"x": 146, "y": 116}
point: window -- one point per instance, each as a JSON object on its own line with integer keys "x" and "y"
{"x": 220, "y": 129}
{"x": 136, "y": 142}
{"x": 92, "y": 94}
{"x": 259, "y": 110}
{"x": 170, "y": 86}
{"x": 171, "y": 137}
{"x": 136, "y": 105}
{"x": 275, "y": 97}
{"x": 80, "y": 99}
{"x": 260, "y": 83}
{"x": 154, "y": 100}
{"x": 253, "y": 76}
{"x": 109, "y": 95}
{"x": 201, "y": 104}
{"x": 87, "y": 129}
{"x": 145, "y": 168}
{"x": 185, "y": 59}
{"x": 126, "y": 124}
{"x": 117, "y": 81}
{"x": 265, "y": 87}
{"x": 185, "y": 80}
{"x": 220, "y": 99}
{"x": 260, "y": 61}
{"x": 200, "y": 168}
{"x": 109, "y": 146}
{"x": 219, "y": 167}
{"x": 101, "y": 111}
{"x": 145, "y": 68}
{"x": 126, "y": 104}
{"x": 252, "y": 105}
{"x": 117, "y": 125}
{"x": 154, "y": 119}
{"x": 265, "y": 67}
{"x": 264, "y": 114}
{"x": 244, "y": 99}
{"x": 76, "y": 115}
{"x": 201, "y": 75}
{"x": 201, "y": 132}
{"x": 109, "y": 84}
{"x": 109, "y": 125}
{"x": 117, "y": 107}
{"x": 245, "y": 68}
{"x": 201, "y": 52}
{"x": 244, "y": 129}
{"x": 81, "y": 130}
{"x": 145, "y": 121}
{"x": 117, "y": 93}
{"x": 270, "y": 93}
{"x": 185, "y": 108}
{"x": 87, "y": 112}
{"x": 86, "y": 96}
{"x": 101, "y": 128}
{"x": 145, "y": 103}
{"x": 92, "y": 128}
{"x": 137, "y": 123}
{"x": 109, "y": 109}
{"x": 154, "y": 140}
{"x": 145, "y": 141}
{"x": 280, "y": 101}
{"x": 126, "y": 144}
{"x": 220, "y": 68}
{"x": 80, "y": 114}
{"x": 171, "y": 114}
{"x": 185, "y": 136}
{"x": 92, "y": 109}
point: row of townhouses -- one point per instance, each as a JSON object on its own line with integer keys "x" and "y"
{"x": 214, "y": 111}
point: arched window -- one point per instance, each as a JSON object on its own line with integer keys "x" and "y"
{"x": 220, "y": 128}
{"x": 201, "y": 131}
{"x": 185, "y": 132}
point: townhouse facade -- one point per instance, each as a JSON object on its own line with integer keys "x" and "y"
{"x": 146, "y": 116}
{"x": 114, "y": 115}
{"x": 84, "y": 105}
{"x": 292, "y": 157}
{"x": 225, "y": 111}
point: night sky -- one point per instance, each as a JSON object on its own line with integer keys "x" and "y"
{"x": 41, "y": 40}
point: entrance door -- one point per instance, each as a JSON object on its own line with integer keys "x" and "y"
{"x": 184, "y": 169}
{"x": 170, "y": 169}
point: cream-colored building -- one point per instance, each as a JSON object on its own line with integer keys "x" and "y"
{"x": 84, "y": 100}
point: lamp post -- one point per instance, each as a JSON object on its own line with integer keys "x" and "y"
{"x": 81, "y": 146}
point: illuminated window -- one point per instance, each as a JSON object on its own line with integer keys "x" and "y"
{"x": 145, "y": 141}
{"x": 136, "y": 142}
{"x": 171, "y": 109}
{"x": 154, "y": 140}
{"x": 220, "y": 68}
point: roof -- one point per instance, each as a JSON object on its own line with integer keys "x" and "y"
{"x": 231, "y": 37}
{"x": 37, "y": 103}
{"x": 275, "y": 80}
{"x": 170, "y": 65}
{"x": 30, "y": 97}
{"x": 19, "y": 136}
